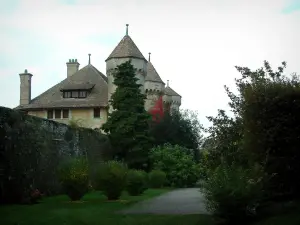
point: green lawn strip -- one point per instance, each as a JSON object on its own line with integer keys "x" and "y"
{"x": 289, "y": 218}
{"x": 94, "y": 209}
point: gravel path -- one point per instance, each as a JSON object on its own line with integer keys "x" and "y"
{"x": 180, "y": 201}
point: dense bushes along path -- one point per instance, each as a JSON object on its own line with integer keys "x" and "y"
{"x": 180, "y": 201}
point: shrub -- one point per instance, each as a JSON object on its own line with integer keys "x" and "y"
{"x": 157, "y": 178}
{"x": 233, "y": 193}
{"x": 73, "y": 175}
{"x": 178, "y": 164}
{"x": 111, "y": 179}
{"x": 136, "y": 182}
{"x": 145, "y": 175}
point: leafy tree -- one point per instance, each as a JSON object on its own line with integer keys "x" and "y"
{"x": 264, "y": 128}
{"x": 227, "y": 133}
{"x": 180, "y": 168}
{"x": 128, "y": 124}
{"x": 179, "y": 128}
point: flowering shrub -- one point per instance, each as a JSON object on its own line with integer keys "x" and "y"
{"x": 35, "y": 196}
{"x": 74, "y": 177}
{"x": 111, "y": 179}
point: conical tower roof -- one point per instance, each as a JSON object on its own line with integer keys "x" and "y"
{"x": 169, "y": 91}
{"x": 126, "y": 49}
{"x": 152, "y": 74}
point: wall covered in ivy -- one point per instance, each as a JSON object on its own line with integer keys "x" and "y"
{"x": 32, "y": 148}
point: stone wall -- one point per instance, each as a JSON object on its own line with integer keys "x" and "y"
{"x": 32, "y": 148}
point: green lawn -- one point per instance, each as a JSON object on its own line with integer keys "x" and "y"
{"x": 93, "y": 210}
{"x": 289, "y": 218}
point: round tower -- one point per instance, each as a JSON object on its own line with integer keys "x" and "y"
{"x": 154, "y": 86}
{"x": 126, "y": 50}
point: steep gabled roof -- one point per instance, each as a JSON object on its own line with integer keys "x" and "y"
{"x": 152, "y": 74}
{"x": 169, "y": 91}
{"x": 53, "y": 98}
{"x": 126, "y": 49}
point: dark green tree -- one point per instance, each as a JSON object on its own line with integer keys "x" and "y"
{"x": 179, "y": 128}
{"x": 128, "y": 124}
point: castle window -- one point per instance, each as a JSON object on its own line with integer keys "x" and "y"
{"x": 57, "y": 113}
{"x": 96, "y": 112}
{"x": 50, "y": 114}
{"x": 65, "y": 113}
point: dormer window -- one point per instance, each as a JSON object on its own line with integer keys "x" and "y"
{"x": 77, "y": 90}
{"x": 75, "y": 94}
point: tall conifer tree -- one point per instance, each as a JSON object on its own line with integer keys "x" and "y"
{"x": 128, "y": 124}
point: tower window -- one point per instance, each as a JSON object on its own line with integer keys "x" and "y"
{"x": 96, "y": 112}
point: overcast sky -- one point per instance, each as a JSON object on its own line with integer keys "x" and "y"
{"x": 194, "y": 43}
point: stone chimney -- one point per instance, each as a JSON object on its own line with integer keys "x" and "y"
{"x": 25, "y": 88}
{"x": 72, "y": 67}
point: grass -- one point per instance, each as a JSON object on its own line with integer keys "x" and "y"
{"x": 288, "y": 218}
{"x": 94, "y": 209}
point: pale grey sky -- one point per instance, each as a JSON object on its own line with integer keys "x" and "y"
{"x": 194, "y": 43}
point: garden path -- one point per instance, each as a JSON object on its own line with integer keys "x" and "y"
{"x": 181, "y": 201}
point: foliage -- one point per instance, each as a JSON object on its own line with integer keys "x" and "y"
{"x": 263, "y": 129}
{"x": 136, "y": 182}
{"x": 272, "y": 122}
{"x": 76, "y": 123}
{"x": 178, "y": 164}
{"x": 233, "y": 192}
{"x": 179, "y": 128}
{"x": 127, "y": 125}
{"x": 111, "y": 179}
{"x": 157, "y": 178}
{"x": 225, "y": 140}
{"x": 74, "y": 176}
{"x": 204, "y": 165}
{"x": 31, "y": 149}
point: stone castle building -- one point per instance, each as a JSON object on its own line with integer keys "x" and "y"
{"x": 85, "y": 93}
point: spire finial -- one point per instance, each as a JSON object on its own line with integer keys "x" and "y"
{"x": 127, "y": 29}
{"x": 149, "y": 56}
{"x": 89, "y": 59}
{"x": 167, "y": 83}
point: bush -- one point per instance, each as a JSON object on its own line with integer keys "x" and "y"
{"x": 111, "y": 179}
{"x": 157, "y": 178}
{"x": 234, "y": 193}
{"x": 136, "y": 182}
{"x": 178, "y": 164}
{"x": 73, "y": 175}
{"x": 145, "y": 175}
